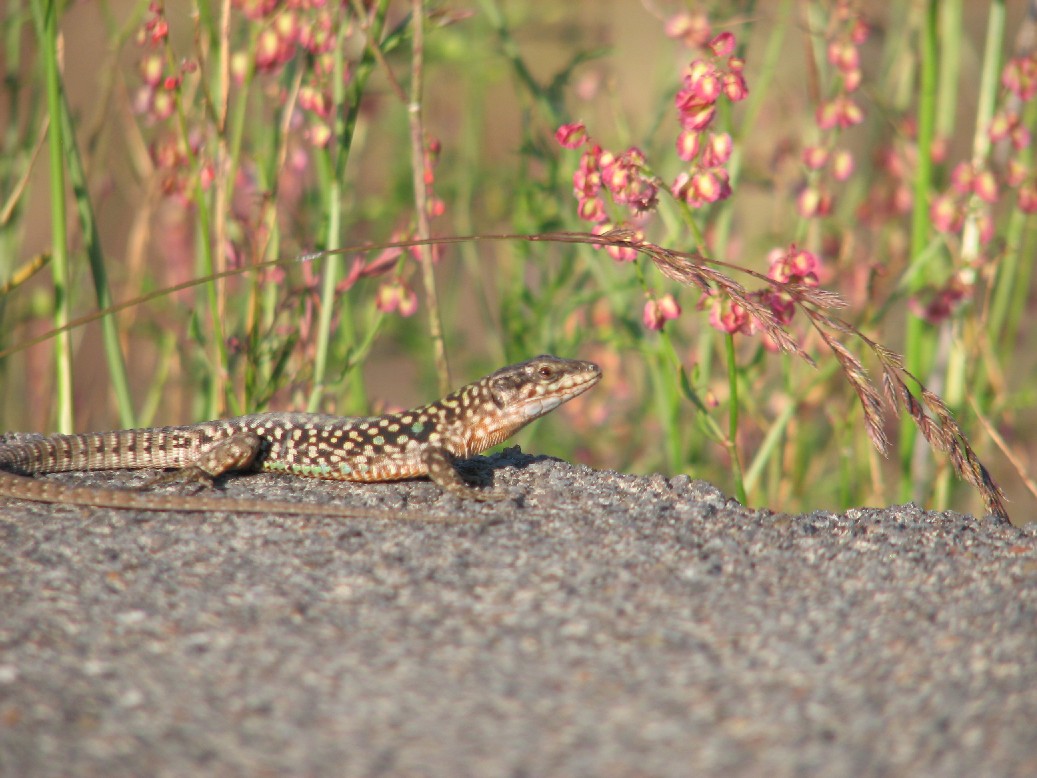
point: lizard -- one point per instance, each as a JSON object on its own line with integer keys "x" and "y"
{"x": 424, "y": 441}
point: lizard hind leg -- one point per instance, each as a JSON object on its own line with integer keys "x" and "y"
{"x": 238, "y": 452}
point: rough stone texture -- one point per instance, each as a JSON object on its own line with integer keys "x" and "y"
{"x": 612, "y": 626}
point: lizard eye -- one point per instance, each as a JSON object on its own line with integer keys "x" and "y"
{"x": 545, "y": 371}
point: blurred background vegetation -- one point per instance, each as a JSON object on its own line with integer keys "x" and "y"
{"x": 146, "y": 145}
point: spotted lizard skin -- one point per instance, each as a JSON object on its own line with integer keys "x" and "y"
{"x": 425, "y": 441}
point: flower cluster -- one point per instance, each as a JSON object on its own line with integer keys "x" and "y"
{"x": 283, "y": 31}
{"x": 395, "y": 294}
{"x": 622, "y": 176}
{"x": 172, "y": 161}
{"x": 625, "y": 178}
{"x": 847, "y": 32}
{"x": 160, "y": 81}
{"x": 947, "y": 210}
{"x": 936, "y": 305}
{"x": 790, "y": 265}
{"x": 973, "y": 185}
{"x": 286, "y": 31}
{"x": 1019, "y": 79}
{"x": 705, "y": 81}
{"x": 975, "y": 188}
{"x": 891, "y": 196}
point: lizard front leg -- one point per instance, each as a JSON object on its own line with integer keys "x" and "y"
{"x": 443, "y": 471}
{"x": 238, "y": 452}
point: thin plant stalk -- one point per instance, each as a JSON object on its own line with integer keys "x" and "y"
{"x": 346, "y": 109}
{"x": 959, "y": 358}
{"x": 421, "y": 200}
{"x": 95, "y": 256}
{"x": 732, "y": 418}
{"x": 919, "y": 342}
{"x": 333, "y": 234}
{"x": 45, "y": 17}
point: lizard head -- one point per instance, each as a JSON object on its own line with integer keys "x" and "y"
{"x": 530, "y": 389}
{"x": 494, "y": 408}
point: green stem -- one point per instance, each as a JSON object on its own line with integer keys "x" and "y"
{"x": 920, "y": 342}
{"x": 47, "y": 31}
{"x": 92, "y": 243}
{"x": 333, "y": 236}
{"x": 421, "y": 193}
{"x": 346, "y": 111}
{"x": 732, "y": 418}
{"x": 1012, "y": 286}
{"x": 961, "y": 363}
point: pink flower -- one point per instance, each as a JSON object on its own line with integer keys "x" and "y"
{"x": 572, "y": 136}
{"x": 860, "y": 31}
{"x": 1016, "y": 172}
{"x": 945, "y": 214}
{"x": 162, "y": 105}
{"x": 688, "y": 145}
{"x": 621, "y": 253}
{"x": 1001, "y": 125}
{"x": 396, "y": 296}
{"x": 941, "y": 303}
{"x": 781, "y": 305}
{"x": 658, "y": 311}
{"x": 794, "y": 265}
{"x": 315, "y": 100}
{"x": 1020, "y": 137}
{"x": 815, "y": 157}
{"x": 592, "y": 209}
{"x": 718, "y": 150}
{"x": 151, "y": 68}
{"x": 722, "y": 45}
{"x": 813, "y": 202}
{"x": 841, "y": 112}
{"x": 852, "y": 80}
{"x": 319, "y": 134}
{"x": 728, "y": 316}
{"x": 962, "y": 178}
{"x": 1019, "y": 77}
{"x": 698, "y": 117}
{"x": 984, "y": 186}
{"x": 842, "y": 165}
{"x": 706, "y": 186}
{"x": 669, "y": 306}
{"x": 843, "y": 55}
{"x": 691, "y": 29}
{"x": 734, "y": 82}
{"x": 1027, "y": 198}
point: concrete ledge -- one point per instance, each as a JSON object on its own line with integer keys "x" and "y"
{"x": 613, "y": 625}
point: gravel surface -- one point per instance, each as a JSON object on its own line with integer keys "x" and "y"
{"x": 611, "y": 626}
